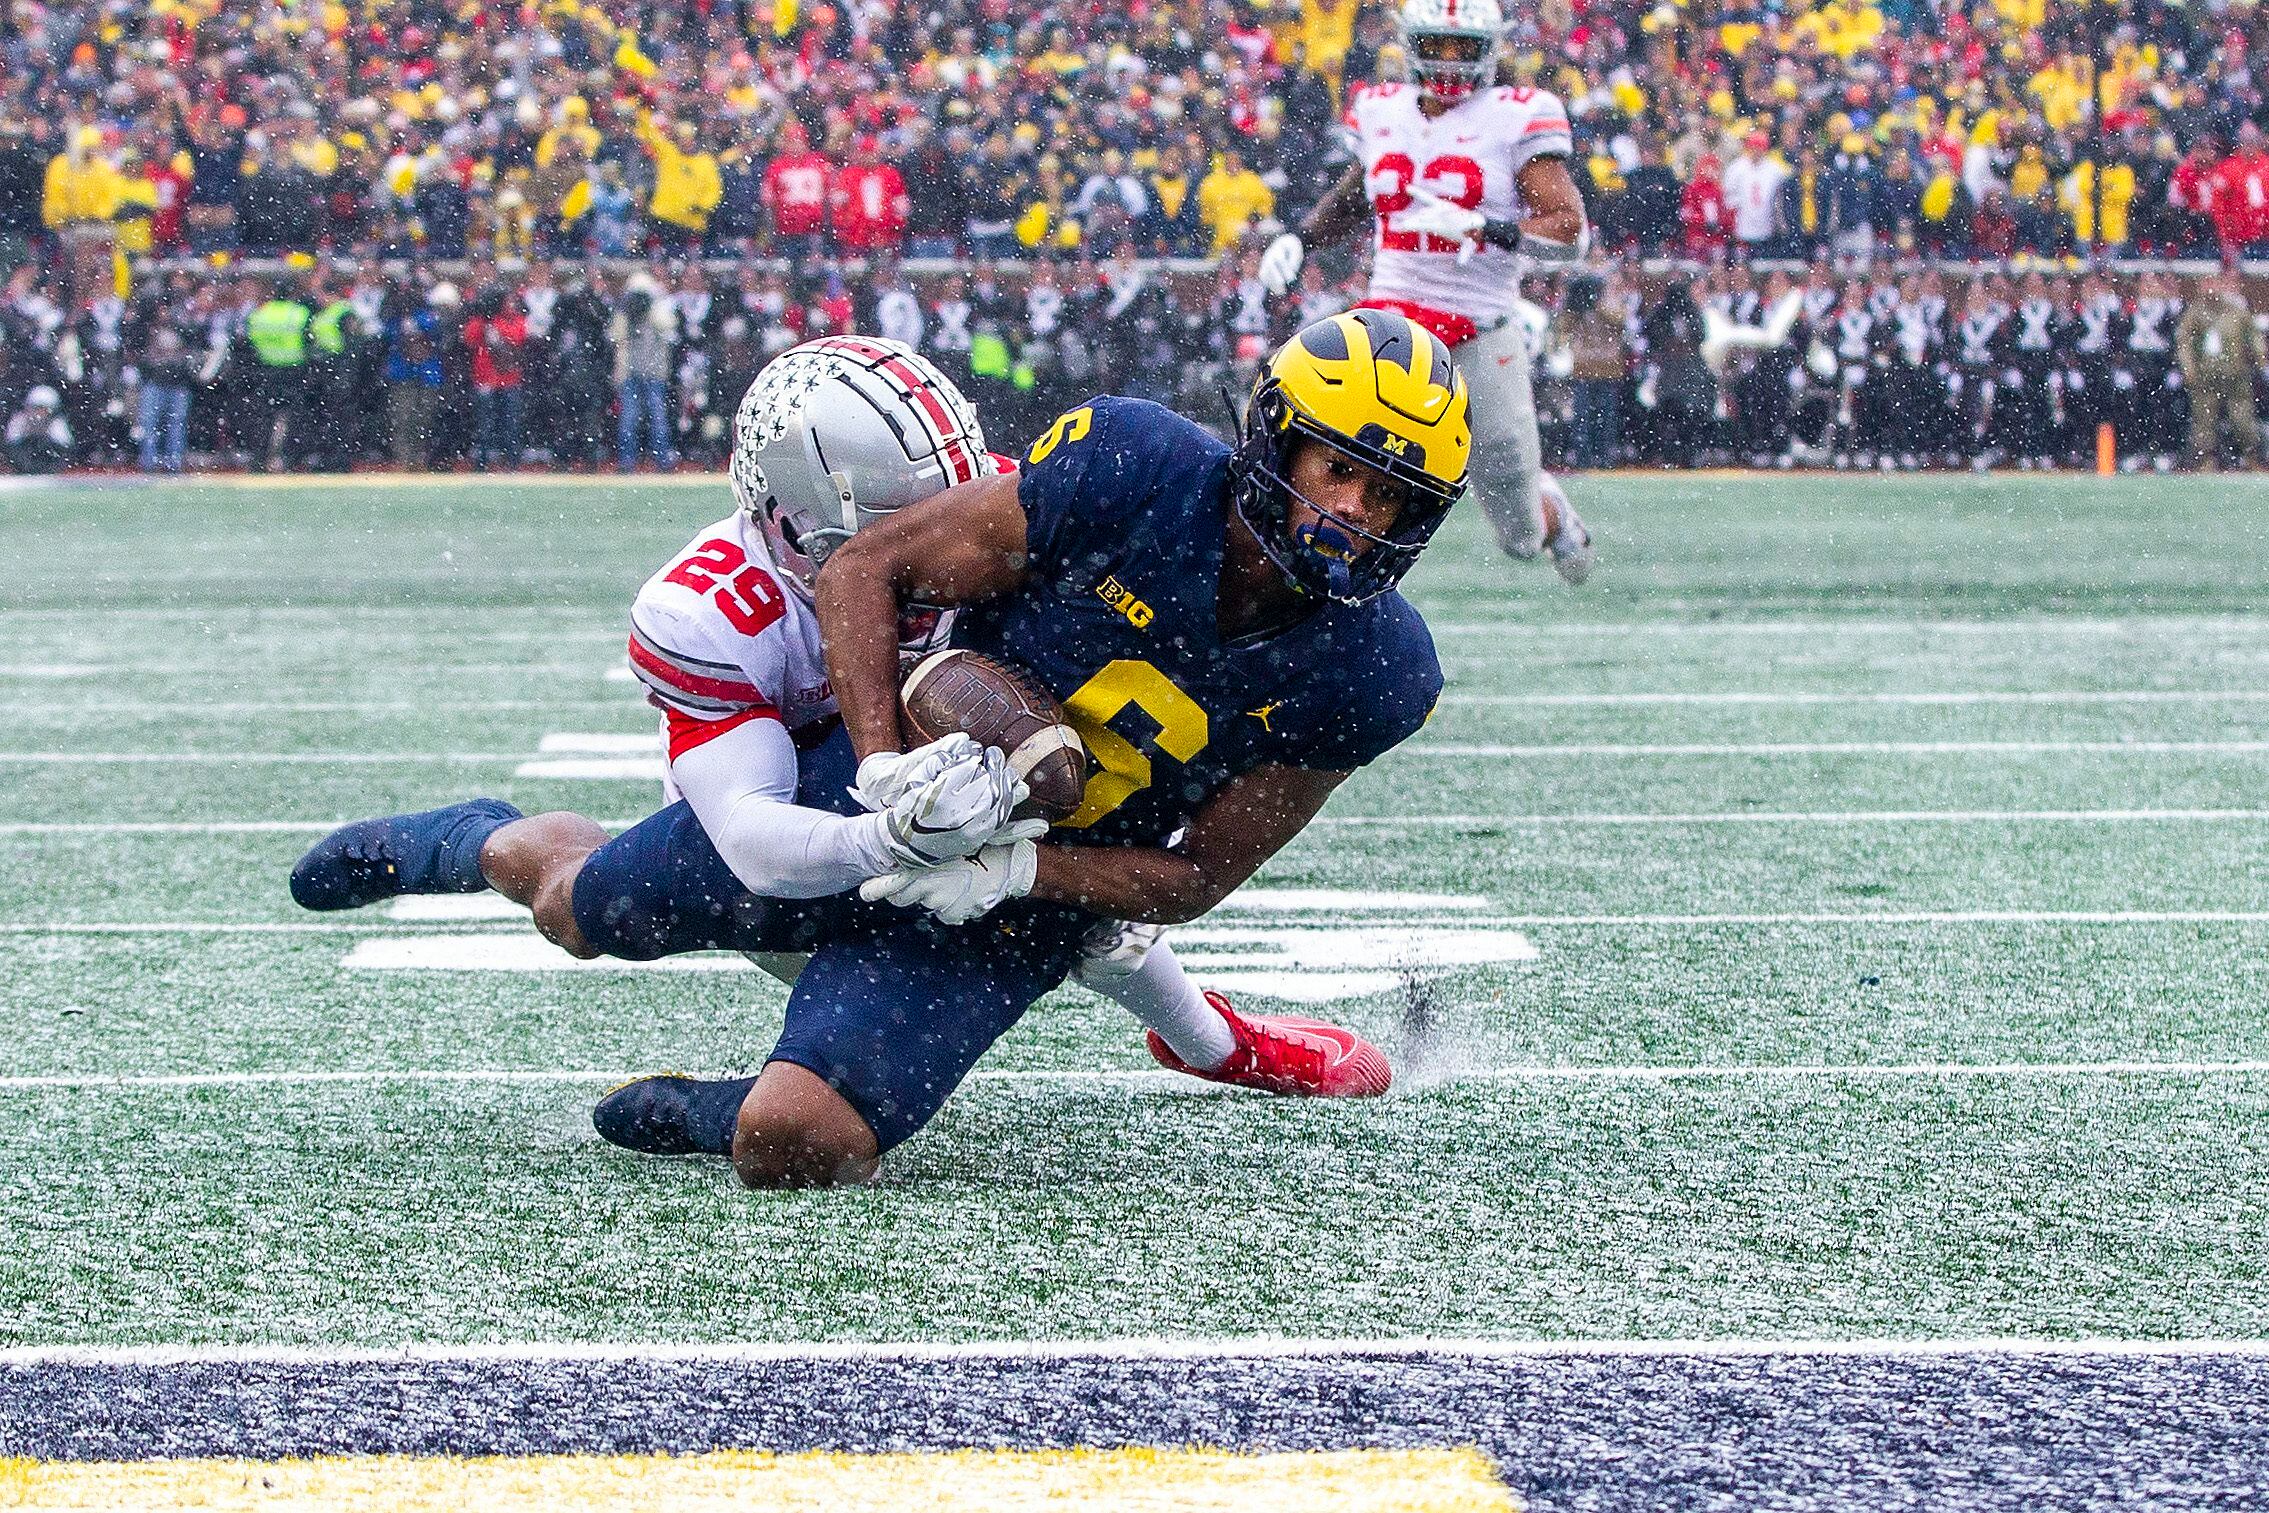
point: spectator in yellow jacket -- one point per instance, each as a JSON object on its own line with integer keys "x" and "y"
{"x": 137, "y": 202}
{"x": 1232, "y": 198}
{"x": 83, "y": 188}
{"x": 687, "y": 185}
{"x": 574, "y": 126}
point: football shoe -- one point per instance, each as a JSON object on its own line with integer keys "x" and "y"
{"x": 673, "y": 1116}
{"x": 437, "y": 851}
{"x": 1573, "y": 556}
{"x": 1289, "y": 1055}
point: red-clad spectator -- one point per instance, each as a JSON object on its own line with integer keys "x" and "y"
{"x": 2241, "y": 194}
{"x": 170, "y": 183}
{"x": 497, "y": 338}
{"x": 868, "y": 202}
{"x": 2191, "y": 192}
{"x": 1993, "y": 229}
{"x": 1702, "y": 210}
{"x": 795, "y": 194}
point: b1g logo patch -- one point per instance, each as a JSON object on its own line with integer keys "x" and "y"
{"x": 1122, "y": 598}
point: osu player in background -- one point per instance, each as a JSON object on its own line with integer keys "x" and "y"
{"x": 1464, "y": 177}
{"x": 1311, "y": 667}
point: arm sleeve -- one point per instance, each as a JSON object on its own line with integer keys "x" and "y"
{"x": 741, "y": 783}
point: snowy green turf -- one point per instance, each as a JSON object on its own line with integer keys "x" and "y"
{"x": 435, "y": 633}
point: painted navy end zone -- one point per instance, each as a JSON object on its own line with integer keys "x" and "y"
{"x": 1127, "y": 509}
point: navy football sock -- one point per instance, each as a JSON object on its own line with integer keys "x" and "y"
{"x": 438, "y": 851}
{"x": 673, "y": 1116}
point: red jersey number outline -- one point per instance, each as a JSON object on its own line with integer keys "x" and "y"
{"x": 747, "y": 596}
{"x": 1437, "y": 173}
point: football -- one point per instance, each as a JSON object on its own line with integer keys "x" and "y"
{"x": 996, "y": 705}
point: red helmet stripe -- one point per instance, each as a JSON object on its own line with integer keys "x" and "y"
{"x": 948, "y": 438}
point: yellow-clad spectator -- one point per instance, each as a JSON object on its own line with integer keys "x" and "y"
{"x": 1327, "y": 31}
{"x": 1047, "y": 220}
{"x": 137, "y": 202}
{"x": 1841, "y": 29}
{"x": 2079, "y": 198}
{"x": 687, "y": 184}
{"x": 1061, "y": 58}
{"x": 2023, "y": 15}
{"x": 2028, "y": 176}
{"x": 560, "y": 193}
{"x": 1231, "y": 198}
{"x": 575, "y": 126}
{"x": 2062, "y": 89}
{"x": 313, "y": 151}
{"x": 82, "y": 185}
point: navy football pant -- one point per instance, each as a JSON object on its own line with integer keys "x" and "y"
{"x": 894, "y": 1009}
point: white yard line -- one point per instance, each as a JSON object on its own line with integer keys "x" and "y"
{"x": 252, "y": 758}
{"x": 624, "y": 767}
{"x": 1919, "y": 917}
{"x": 1811, "y": 817}
{"x": 1135, "y": 1349}
{"x": 1398, "y": 821}
{"x": 596, "y": 769}
{"x": 603, "y": 743}
{"x": 2124, "y": 626}
{"x": 173, "y": 708}
{"x": 1150, "y": 1077}
{"x": 1822, "y": 748}
{"x": 169, "y": 827}
{"x": 2022, "y": 697}
{"x": 361, "y": 926}
{"x": 370, "y": 925}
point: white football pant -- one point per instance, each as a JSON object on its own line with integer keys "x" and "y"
{"x": 1507, "y": 456}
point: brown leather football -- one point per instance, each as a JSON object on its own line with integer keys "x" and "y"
{"x": 996, "y": 705}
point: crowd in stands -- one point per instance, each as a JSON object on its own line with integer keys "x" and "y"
{"x": 576, "y": 366}
{"x": 423, "y": 128}
{"x": 403, "y": 160}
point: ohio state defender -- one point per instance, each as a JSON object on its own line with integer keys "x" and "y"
{"x": 1462, "y": 179}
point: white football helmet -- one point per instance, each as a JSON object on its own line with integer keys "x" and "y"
{"x": 839, "y": 432}
{"x": 1467, "y": 60}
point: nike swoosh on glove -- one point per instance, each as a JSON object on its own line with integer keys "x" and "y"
{"x": 959, "y": 812}
{"x": 885, "y": 776}
{"x": 960, "y": 891}
{"x": 1431, "y": 215}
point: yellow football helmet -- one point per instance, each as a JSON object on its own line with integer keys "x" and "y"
{"x": 1381, "y": 388}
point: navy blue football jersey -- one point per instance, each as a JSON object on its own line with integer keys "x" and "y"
{"x": 1127, "y": 510}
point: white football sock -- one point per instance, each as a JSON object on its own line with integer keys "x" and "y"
{"x": 1160, "y": 994}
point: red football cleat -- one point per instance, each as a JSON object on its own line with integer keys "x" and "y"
{"x": 1300, "y": 1058}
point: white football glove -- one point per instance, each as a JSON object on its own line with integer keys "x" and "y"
{"x": 960, "y": 811}
{"x": 963, "y": 890}
{"x": 1431, "y": 215}
{"x": 885, "y": 776}
{"x": 1280, "y": 264}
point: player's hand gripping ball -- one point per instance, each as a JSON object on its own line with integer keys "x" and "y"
{"x": 998, "y": 706}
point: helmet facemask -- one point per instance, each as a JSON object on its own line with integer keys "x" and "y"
{"x": 1331, "y": 556}
{"x": 1450, "y": 63}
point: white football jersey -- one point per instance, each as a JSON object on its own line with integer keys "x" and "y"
{"x": 1469, "y": 155}
{"x": 720, "y": 638}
